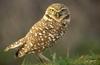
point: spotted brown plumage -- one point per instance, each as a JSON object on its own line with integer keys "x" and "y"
{"x": 45, "y": 32}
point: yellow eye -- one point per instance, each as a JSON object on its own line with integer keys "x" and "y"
{"x": 52, "y": 11}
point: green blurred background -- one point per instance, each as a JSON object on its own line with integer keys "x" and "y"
{"x": 17, "y": 17}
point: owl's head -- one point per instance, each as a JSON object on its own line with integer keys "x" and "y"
{"x": 57, "y": 11}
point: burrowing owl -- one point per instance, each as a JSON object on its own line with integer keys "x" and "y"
{"x": 45, "y": 32}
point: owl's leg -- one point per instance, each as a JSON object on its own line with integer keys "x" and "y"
{"x": 43, "y": 59}
{"x": 14, "y": 45}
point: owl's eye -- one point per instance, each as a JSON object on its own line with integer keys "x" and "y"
{"x": 51, "y": 10}
{"x": 63, "y": 10}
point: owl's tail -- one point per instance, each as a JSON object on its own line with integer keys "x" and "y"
{"x": 15, "y": 45}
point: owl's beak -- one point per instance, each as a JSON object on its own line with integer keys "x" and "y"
{"x": 58, "y": 15}
{"x": 65, "y": 17}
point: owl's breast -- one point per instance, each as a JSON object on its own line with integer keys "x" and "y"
{"x": 44, "y": 34}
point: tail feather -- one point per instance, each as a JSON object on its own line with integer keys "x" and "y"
{"x": 15, "y": 45}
